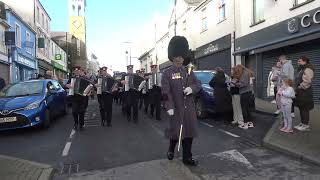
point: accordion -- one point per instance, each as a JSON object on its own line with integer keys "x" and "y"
{"x": 80, "y": 86}
{"x": 155, "y": 80}
{"x": 133, "y": 81}
{"x": 106, "y": 84}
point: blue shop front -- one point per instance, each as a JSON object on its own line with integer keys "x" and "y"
{"x": 22, "y": 51}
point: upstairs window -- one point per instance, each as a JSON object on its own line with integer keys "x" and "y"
{"x": 222, "y": 10}
{"x": 258, "y": 11}
{"x": 204, "y": 20}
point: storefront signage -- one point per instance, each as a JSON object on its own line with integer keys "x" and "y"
{"x": 26, "y": 61}
{"x": 211, "y": 49}
{"x": 214, "y": 47}
{"x": 58, "y": 57}
{"x": 305, "y": 21}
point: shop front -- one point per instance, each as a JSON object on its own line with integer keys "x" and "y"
{"x": 23, "y": 68}
{"x": 4, "y": 68}
{"x": 215, "y": 54}
{"x": 295, "y": 37}
{"x": 44, "y": 66}
{"x": 59, "y": 70}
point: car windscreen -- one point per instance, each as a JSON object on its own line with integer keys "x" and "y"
{"x": 22, "y": 89}
{"x": 204, "y": 77}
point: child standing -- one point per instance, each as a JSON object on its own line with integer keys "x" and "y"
{"x": 286, "y": 93}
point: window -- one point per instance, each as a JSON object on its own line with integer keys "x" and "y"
{"x": 28, "y": 41}
{"x": 222, "y": 10}
{"x": 42, "y": 20}
{"x": 47, "y": 25}
{"x": 38, "y": 15}
{"x": 79, "y": 10}
{"x": 204, "y": 20}
{"x": 298, "y": 2}
{"x": 18, "y": 36}
{"x": 184, "y": 26}
{"x": 258, "y": 15}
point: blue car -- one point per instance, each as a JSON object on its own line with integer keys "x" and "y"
{"x": 31, "y": 103}
{"x": 205, "y": 102}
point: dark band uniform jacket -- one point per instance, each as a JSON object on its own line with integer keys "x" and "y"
{"x": 174, "y": 81}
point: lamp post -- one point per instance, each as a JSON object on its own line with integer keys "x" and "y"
{"x": 128, "y": 42}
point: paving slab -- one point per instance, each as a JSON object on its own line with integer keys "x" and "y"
{"x": 14, "y": 169}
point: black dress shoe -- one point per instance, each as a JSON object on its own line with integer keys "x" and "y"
{"x": 170, "y": 155}
{"x": 75, "y": 126}
{"x": 190, "y": 162}
{"x": 158, "y": 119}
{"x": 109, "y": 125}
{"x": 102, "y": 123}
{"x": 81, "y": 127}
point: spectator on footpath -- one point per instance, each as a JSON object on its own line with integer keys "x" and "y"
{"x": 286, "y": 72}
{"x": 286, "y": 94}
{"x": 2, "y": 83}
{"x": 222, "y": 96}
{"x": 234, "y": 91}
{"x": 245, "y": 91}
{"x": 304, "y": 92}
{"x": 275, "y": 78}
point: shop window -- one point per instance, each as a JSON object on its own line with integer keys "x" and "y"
{"x": 18, "y": 36}
{"x": 222, "y": 10}
{"x": 258, "y": 11}
{"x": 204, "y": 20}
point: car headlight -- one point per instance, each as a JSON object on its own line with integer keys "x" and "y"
{"x": 33, "y": 105}
{"x": 210, "y": 93}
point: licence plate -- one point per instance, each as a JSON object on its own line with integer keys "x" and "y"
{"x": 8, "y": 119}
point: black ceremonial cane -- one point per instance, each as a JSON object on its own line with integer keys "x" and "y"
{"x": 189, "y": 68}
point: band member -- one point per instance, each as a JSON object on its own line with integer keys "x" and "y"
{"x": 145, "y": 94}
{"x": 102, "y": 114}
{"x": 106, "y": 99}
{"x": 142, "y": 92}
{"x": 78, "y": 102}
{"x": 125, "y": 93}
{"x": 132, "y": 98}
{"x": 155, "y": 93}
{"x": 178, "y": 88}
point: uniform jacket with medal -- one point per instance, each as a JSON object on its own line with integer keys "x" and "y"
{"x": 174, "y": 81}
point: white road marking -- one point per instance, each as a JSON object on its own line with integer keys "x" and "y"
{"x": 92, "y": 125}
{"x": 229, "y": 133}
{"x": 73, "y": 132}
{"x": 66, "y": 149}
{"x": 206, "y": 124}
{"x": 233, "y": 155}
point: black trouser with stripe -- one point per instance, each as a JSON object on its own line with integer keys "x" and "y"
{"x": 106, "y": 103}
{"x": 186, "y": 147}
{"x": 156, "y": 102}
{"x": 132, "y": 104}
{"x": 78, "y": 109}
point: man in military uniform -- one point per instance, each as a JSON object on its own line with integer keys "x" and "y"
{"x": 179, "y": 87}
{"x": 155, "y": 93}
{"x": 125, "y": 94}
{"x": 78, "y": 102}
{"x": 132, "y": 100}
{"x": 106, "y": 100}
{"x": 102, "y": 114}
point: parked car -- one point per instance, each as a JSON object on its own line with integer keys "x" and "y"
{"x": 205, "y": 102}
{"x": 31, "y": 103}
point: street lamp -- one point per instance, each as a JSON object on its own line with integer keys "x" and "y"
{"x": 128, "y": 42}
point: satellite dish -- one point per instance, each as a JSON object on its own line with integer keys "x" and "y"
{"x": 193, "y": 2}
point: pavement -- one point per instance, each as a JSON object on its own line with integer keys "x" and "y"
{"x": 19, "y": 169}
{"x": 303, "y": 145}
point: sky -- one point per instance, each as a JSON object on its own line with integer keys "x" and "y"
{"x": 109, "y": 24}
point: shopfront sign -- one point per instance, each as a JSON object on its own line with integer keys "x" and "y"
{"x": 306, "y": 21}
{"x": 214, "y": 47}
{"x": 26, "y": 61}
{"x": 58, "y": 57}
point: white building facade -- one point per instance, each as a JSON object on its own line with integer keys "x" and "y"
{"x": 268, "y": 29}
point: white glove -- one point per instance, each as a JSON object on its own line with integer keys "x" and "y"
{"x": 187, "y": 91}
{"x": 170, "y": 112}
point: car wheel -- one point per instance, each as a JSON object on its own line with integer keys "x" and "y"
{"x": 47, "y": 120}
{"x": 200, "y": 111}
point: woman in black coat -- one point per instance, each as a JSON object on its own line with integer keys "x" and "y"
{"x": 223, "y": 100}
